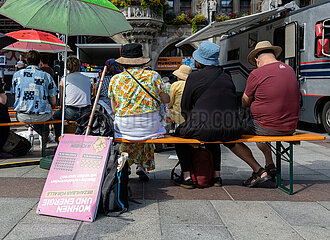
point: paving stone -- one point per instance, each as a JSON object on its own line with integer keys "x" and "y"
{"x": 33, "y": 217}
{"x": 165, "y": 189}
{"x": 188, "y": 212}
{"x": 314, "y": 232}
{"x": 27, "y": 231}
{"x": 191, "y": 232}
{"x": 310, "y": 191}
{"x": 141, "y": 222}
{"x": 36, "y": 172}
{"x": 266, "y": 192}
{"x": 302, "y": 213}
{"x": 253, "y": 220}
{"x": 12, "y": 211}
{"x": 21, "y": 187}
{"x": 15, "y": 171}
{"x": 325, "y": 204}
{"x": 306, "y": 177}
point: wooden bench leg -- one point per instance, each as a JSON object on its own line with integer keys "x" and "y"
{"x": 285, "y": 154}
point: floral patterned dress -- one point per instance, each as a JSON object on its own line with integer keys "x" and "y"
{"x": 132, "y": 100}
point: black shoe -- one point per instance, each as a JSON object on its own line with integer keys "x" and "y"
{"x": 217, "y": 182}
{"x": 256, "y": 178}
{"x": 271, "y": 170}
{"x": 141, "y": 172}
{"x": 188, "y": 184}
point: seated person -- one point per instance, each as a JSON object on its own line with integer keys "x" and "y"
{"x": 176, "y": 93}
{"x": 77, "y": 94}
{"x": 137, "y": 113}
{"x": 210, "y": 110}
{"x": 104, "y": 101}
{"x": 44, "y": 60}
{"x": 272, "y": 93}
{"x": 35, "y": 94}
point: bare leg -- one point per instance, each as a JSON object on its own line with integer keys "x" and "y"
{"x": 216, "y": 174}
{"x": 244, "y": 153}
{"x": 265, "y": 149}
{"x": 186, "y": 175}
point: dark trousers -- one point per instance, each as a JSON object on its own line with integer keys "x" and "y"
{"x": 184, "y": 152}
{"x": 70, "y": 114}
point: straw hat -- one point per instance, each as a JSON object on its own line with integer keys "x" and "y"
{"x": 261, "y": 46}
{"x": 131, "y": 54}
{"x": 183, "y": 72}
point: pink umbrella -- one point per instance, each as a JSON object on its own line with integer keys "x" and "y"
{"x": 35, "y": 40}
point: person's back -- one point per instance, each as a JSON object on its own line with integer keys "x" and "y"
{"x": 212, "y": 113}
{"x": 32, "y": 88}
{"x": 276, "y": 96}
{"x": 130, "y": 97}
{"x": 176, "y": 92}
{"x": 78, "y": 90}
{"x": 44, "y": 60}
{"x": 175, "y": 102}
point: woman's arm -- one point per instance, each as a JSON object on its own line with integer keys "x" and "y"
{"x": 164, "y": 97}
{"x": 113, "y": 106}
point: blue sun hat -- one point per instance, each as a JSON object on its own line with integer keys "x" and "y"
{"x": 207, "y": 54}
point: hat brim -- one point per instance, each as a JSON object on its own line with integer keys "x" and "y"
{"x": 207, "y": 62}
{"x": 180, "y": 74}
{"x": 251, "y": 57}
{"x": 133, "y": 61}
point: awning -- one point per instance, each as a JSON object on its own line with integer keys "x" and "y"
{"x": 98, "y": 53}
{"x": 218, "y": 28}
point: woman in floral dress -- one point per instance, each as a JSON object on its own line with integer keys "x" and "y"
{"x": 136, "y": 111}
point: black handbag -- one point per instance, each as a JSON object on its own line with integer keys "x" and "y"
{"x": 102, "y": 124}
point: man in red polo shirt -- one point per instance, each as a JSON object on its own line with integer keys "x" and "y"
{"x": 272, "y": 93}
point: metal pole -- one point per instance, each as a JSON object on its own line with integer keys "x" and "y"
{"x": 65, "y": 71}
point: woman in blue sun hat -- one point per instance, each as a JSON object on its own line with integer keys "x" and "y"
{"x": 209, "y": 107}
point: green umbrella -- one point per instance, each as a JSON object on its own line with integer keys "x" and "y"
{"x": 70, "y": 17}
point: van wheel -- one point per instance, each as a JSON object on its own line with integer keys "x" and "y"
{"x": 326, "y": 117}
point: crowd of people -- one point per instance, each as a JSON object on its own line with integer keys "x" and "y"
{"x": 203, "y": 104}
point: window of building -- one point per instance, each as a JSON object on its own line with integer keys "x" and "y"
{"x": 185, "y": 6}
{"x": 226, "y": 6}
{"x": 304, "y": 3}
{"x": 171, "y": 6}
{"x": 245, "y": 6}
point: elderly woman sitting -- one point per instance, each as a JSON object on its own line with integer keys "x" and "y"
{"x": 135, "y": 95}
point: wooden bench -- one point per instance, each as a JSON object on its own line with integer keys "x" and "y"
{"x": 281, "y": 152}
{"x": 43, "y": 145}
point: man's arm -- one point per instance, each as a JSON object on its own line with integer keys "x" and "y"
{"x": 52, "y": 101}
{"x": 3, "y": 98}
{"x": 61, "y": 87}
{"x": 246, "y": 100}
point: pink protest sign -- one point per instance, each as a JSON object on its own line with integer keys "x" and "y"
{"x": 72, "y": 188}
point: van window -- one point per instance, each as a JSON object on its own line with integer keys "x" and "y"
{"x": 233, "y": 54}
{"x": 318, "y": 38}
{"x": 302, "y": 37}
